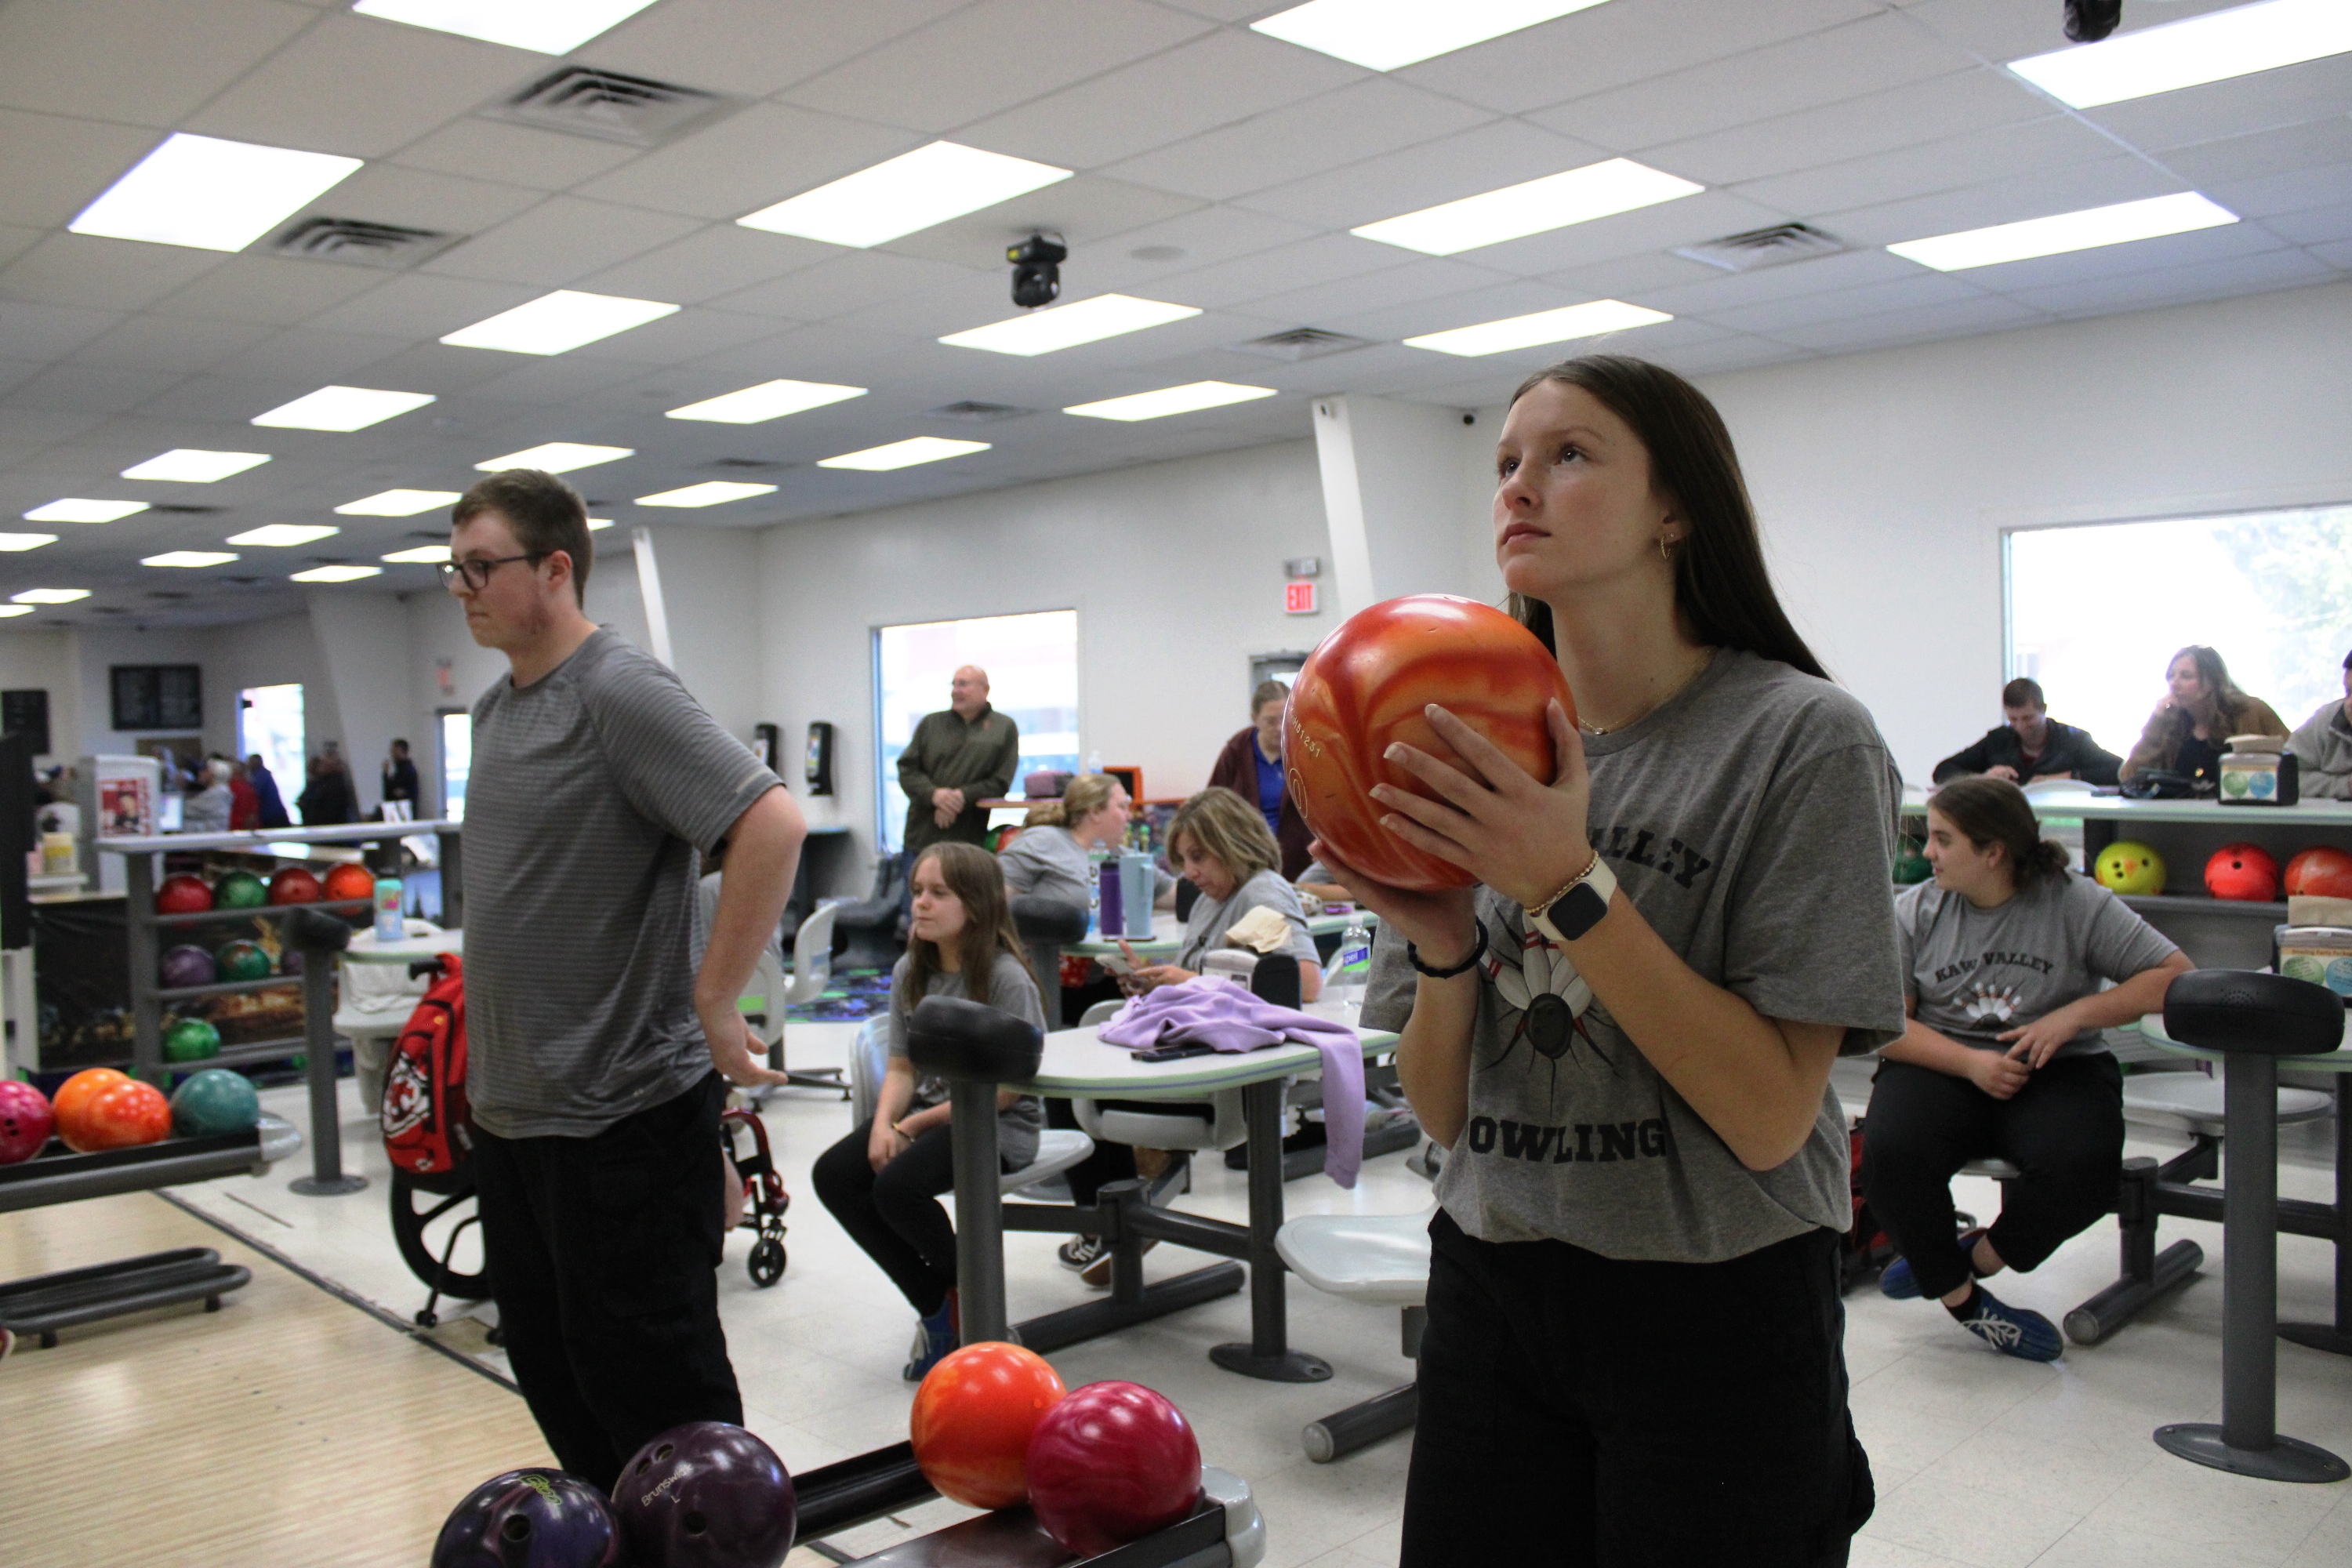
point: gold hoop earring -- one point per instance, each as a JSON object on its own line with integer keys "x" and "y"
{"x": 1666, "y": 548}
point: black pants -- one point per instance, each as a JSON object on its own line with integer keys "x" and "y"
{"x": 1108, "y": 1163}
{"x": 603, "y": 1254}
{"x": 1583, "y": 1410}
{"x": 895, "y": 1212}
{"x": 2065, "y": 1129}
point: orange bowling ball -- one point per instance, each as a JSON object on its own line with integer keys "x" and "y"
{"x": 973, "y": 1421}
{"x": 119, "y": 1116}
{"x": 77, "y": 1092}
{"x": 349, "y": 881}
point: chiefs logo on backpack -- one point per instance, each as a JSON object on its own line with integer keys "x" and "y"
{"x": 429, "y": 1128}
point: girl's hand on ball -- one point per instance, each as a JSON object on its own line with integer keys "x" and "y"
{"x": 1519, "y": 836}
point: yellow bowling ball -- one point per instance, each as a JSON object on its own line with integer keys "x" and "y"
{"x": 2127, "y": 865}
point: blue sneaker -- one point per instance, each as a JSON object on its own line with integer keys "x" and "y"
{"x": 2013, "y": 1330}
{"x": 1897, "y": 1283}
{"x": 934, "y": 1336}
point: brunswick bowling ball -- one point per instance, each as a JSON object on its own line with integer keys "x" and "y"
{"x": 972, "y": 1420}
{"x": 77, "y": 1092}
{"x": 187, "y": 965}
{"x": 2242, "y": 871}
{"x": 243, "y": 960}
{"x": 213, "y": 1101}
{"x": 119, "y": 1116}
{"x": 2322, "y": 871}
{"x": 1366, "y": 686}
{"x": 191, "y": 1040}
{"x": 349, "y": 881}
{"x": 705, "y": 1495}
{"x": 529, "y": 1519}
{"x": 239, "y": 890}
{"x": 294, "y": 885}
{"x": 1110, "y": 1463}
{"x": 2127, "y": 865}
{"x": 184, "y": 895}
{"x": 26, "y": 1120}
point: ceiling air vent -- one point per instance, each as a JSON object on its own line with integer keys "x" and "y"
{"x": 1300, "y": 343}
{"x": 1761, "y": 247}
{"x": 168, "y": 593}
{"x": 970, "y": 412}
{"x": 580, "y": 100}
{"x": 177, "y": 509}
{"x": 362, "y": 244}
{"x": 745, "y": 465}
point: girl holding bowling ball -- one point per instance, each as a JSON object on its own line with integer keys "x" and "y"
{"x": 883, "y": 1181}
{"x": 1624, "y": 1033}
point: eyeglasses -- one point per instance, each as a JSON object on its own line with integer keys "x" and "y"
{"x": 477, "y": 574}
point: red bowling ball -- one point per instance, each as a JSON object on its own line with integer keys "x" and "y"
{"x": 184, "y": 895}
{"x": 294, "y": 885}
{"x": 1110, "y": 1463}
{"x": 704, "y": 1495}
{"x": 26, "y": 1120}
{"x": 2244, "y": 872}
{"x": 2322, "y": 871}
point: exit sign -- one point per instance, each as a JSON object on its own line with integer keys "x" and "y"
{"x": 1299, "y": 598}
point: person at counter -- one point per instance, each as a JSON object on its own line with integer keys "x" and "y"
{"x": 2202, "y": 708}
{"x": 2029, "y": 744}
{"x": 2322, "y": 746}
{"x": 1250, "y": 766}
{"x": 210, "y": 801}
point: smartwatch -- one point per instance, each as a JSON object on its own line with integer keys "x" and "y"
{"x": 1577, "y": 908}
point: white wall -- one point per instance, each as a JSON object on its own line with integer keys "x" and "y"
{"x": 46, "y": 662}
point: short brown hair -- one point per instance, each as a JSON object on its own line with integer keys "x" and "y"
{"x": 546, "y": 515}
{"x": 2023, "y": 692}
{"x": 1267, "y": 691}
{"x": 1230, "y": 829}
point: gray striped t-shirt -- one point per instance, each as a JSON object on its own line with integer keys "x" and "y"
{"x": 590, "y": 793}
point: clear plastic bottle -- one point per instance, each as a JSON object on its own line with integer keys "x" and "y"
{"x": 1093, "y": 762}
{"x": 1352, "y": 966}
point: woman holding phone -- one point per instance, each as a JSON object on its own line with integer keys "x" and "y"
{"x": 1635, "y": 1341}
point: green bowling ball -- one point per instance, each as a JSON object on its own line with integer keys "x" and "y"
{"x": 191, "y": 1040}
{"x": 213, "y": 1101}
{"x": 243, "y": 960}
{"x": 1910, "y": 865}
{"x": 240, "y": 891}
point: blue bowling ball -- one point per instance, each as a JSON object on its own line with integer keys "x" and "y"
{"x": 214, "y": 1102}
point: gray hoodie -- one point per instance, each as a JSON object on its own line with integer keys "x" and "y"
{"x": 2323, "y": 746}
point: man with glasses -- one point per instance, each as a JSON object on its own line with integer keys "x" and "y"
{"x": 599, "y": 1056}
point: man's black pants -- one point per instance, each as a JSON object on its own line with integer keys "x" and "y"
{"x": 2065, "y": 1129}
{"x": 1583, "y": 1410}
{"x": 603, "y": 1254}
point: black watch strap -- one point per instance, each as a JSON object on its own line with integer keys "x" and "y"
{"x": 1413, "y": 956}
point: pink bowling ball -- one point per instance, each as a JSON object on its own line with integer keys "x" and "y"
{"x": 25, "y": 1120}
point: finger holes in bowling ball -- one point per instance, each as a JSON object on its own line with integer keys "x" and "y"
{"x": 662, "y": 1455}
{"x": 515, "y": 1528}
{"x": 695, "y": 1523}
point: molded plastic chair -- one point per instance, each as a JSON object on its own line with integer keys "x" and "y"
{"x": 1180, "y": 1129}
{"x": 1381, "y": 1258}
{"x": 812, "y": 957}
{"x": 1058, "y": 1148}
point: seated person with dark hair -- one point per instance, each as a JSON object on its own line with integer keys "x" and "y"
{"x": 2032, "y": 745}
{"x": 2322, "y": 746}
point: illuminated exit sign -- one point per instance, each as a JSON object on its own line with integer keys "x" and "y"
{"x": 1299, "y": 598}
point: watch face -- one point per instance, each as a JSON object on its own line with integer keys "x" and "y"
{"x": 1579, "y": 912}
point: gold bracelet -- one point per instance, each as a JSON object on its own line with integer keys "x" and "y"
{"x": 1535, "y": 911}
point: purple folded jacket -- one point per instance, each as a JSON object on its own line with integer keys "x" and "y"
{"x": 1217, "y": 1012}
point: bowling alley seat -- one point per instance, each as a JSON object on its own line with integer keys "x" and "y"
{"x": 1380, "y": 1259}
{"x": 1059, "y": 1148}
{"x": 872, "y": 923}
{"x": 1046, "y": 926}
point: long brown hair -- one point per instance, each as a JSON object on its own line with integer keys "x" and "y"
{"x": 973, "y": 876}
{"x": 1721, "y": 584}
{"x": 2220, "y": 689}
{"x": 1986, "y": 811}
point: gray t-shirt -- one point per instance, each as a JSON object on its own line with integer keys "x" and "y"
{"x": 1010, "y": 990}
{"x": 1049, "y": 861}
{"x": 1751, "y": 819}
{"x": 1205, "y": 927}
{"x": 1976, "y": 972}
{"x": 591, "y": 791}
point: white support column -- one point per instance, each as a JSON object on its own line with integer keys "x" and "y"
{"x": 1403, "y": 515}
{"x": 649, "y": 585}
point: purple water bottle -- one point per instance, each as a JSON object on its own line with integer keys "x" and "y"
{"x": 1113, "y": 920}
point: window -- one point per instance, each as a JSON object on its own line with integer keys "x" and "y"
{"x": 456, "y": 761}
{"x": 1032, "y": 670}
{"x": 2096, "y": 612}
{"x": 270, "y": 721}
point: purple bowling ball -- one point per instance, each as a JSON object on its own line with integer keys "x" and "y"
{"x": 290, "y": 962}
{"x": 705, "y": 1495}
{"x": 187, "y": 966}
{"x": 529, "y": 1519}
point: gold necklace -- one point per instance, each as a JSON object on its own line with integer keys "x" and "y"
{"x": 1597, "y": 730}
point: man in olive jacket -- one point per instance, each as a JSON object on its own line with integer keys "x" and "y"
{"x": 956, "y": 760}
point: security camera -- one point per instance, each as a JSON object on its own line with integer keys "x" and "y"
{"x": 2088, "y": 21}
{"x": 1036, "y": 271}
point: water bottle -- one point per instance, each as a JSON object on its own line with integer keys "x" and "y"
{"x": 1095, "y": 860}
{"x": 1110, "y": 901}
{"x": 1094, "y": 762}
{"x": 1352, "y": 966}
{"x": 388, "y": 924}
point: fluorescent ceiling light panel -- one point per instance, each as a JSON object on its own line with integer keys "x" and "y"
{"x": 194, "y": 465}
{"x": 1381, "y": 35}
{"x": 558, "y": 322}
{"x": 18, "y": 542}
{"x": 1066, "y": 326}
{"x": 211, "y": 194}
{"x": 336, "y": 574}
{"x": 396, "y": 504}
{"x": 283, "y": 534}
{"x": 1535, "y": 207}
{"x": 709, "y": 492}
{"x": 2085, "y": 230}
{"x": 2212, "y": 47}
{"x": 1543, "y": 326}
{"x": 10, "y": 611}
{"x": 903, "y": 454}
{"x": 596, "y": 523}
{"x": 342, "y": 408}
{"x": 769, "y": 400}
{"x": 189, "y": 558}
{"x": 49, "y": 595}
{"x": 80, "y": 508}
{"x": 910, "y": 192}
{"x": 546, "y": 26}
{"x": 421, "y": 555}
{"x": 1186, "y": 399}
{"x": 557, "y": 457}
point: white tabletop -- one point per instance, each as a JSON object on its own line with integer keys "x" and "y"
{"x": 1077, "y": 1062}
{"x": 2069, "y": 799}
{"x": 1168, "y": 934}
{"x": 424, "y": 939}
{"x": 2151, "y": 1025}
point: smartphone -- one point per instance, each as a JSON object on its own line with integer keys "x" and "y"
{"x": 1174, "y": 1053}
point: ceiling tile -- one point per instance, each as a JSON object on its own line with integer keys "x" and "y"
{"x": 1081, "y": 211}
{"x": 160, "y": 58}
{"x": 171, "y": 343}
{"x": 689, "y": 334}
{"x": 2318, "y": 226}
{"x": 2316, "y": 144}
{"x": 560, "y": 241}
{"x": 1770, "y": 316}
{"x": 2317, "y": 90}
{"x": 755, "y": 46}
{"x": 1706, "y": 216}
{"x": 1361, "y": 119}
{"x": 421, "y": 198}
{"x": 2338, "y": 256}
{"x": 103, "y": 274}
{"x": 1282, "y": 270}
{"x": 848, "y": 282}
{"x": 2013, "y": 278}
{"x": 56, "y": 166}
{"x": 1722, "y": 356}
{"x": 1484, "y": 158}
{"x": 427, "y": 366}
{"x": 15, "y": 372}
{"x": 1958, "y": 318}
{"x": 1445, "y": 294}
{"x": 1211, "y": 232}
{"x": 986, "y": 58}
{"x": 1213, "y": 81}
{"x": 2179, "y": 285}
{"x": 2038, "y": 194}
{"x": 520, "y": 155}
{"x": 748, "y": 161}
{"x": 717, "y": 259}
{"x": 43, "y": 332}
{"x": 272, "y": 289}
{"x": 419, "y": 305}
{"x": 320, "y": 358}
{"x": 1977, "y": 158}
{"x": 1969, "y": 102}
{"x": 90, "y": 388}
{"x": 2004, "y": 30}
{"x": 1719, "y": 291}
{"x": 2278, "y": 194}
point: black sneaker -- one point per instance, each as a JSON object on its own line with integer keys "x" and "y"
{"x": 1082, "y": 1252}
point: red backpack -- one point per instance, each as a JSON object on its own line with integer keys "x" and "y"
{"x": 429, "y": 1128}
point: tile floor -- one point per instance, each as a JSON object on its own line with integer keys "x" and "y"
{"x": 1979, "y": 1460}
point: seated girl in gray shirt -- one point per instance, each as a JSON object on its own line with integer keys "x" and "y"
{"x": 2003, "y": 953}
{"x": 1223, "y": 847}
